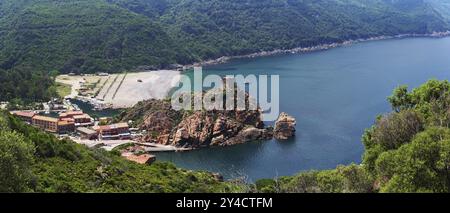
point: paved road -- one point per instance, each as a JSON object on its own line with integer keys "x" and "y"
{"x": 154, "y": 147}
{"x": 108, "y": 145}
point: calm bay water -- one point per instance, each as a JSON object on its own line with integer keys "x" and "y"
{"x": 334, "y": 96}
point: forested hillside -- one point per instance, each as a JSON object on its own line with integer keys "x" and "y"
{"x": 87, "y": 36}
{"x": 110, "y": 35}
{"x": 441, "y": 6}
{"x": 214, "y": 28}
{"x": 34, "y": 161}
{"x": 80, "y": 36}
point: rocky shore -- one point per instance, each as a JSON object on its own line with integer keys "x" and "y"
{"x": 321, "y": 47}
{"x": 200, "y": 129}
{"x": 285, "y": 127}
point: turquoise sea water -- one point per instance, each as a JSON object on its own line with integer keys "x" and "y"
{"x": 334, "y": 95}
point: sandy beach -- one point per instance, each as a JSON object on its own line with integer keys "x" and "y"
{"x": 143, "y": 86}
{"x": 125, "y": 89}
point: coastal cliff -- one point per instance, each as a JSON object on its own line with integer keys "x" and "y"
{"x": 199, "y": 129}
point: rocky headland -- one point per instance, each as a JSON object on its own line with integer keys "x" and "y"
{"x": 199, "y": 129}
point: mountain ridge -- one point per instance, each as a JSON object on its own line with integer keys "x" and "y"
{"x": 113, "y": 35}
{"x": 38, "y": 37}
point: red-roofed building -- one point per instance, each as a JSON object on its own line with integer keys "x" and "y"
{"x": 82, "y": 119}
{"x": 78, "y": 117}
{"x": 49, "y": 124}
{"x": 45, "y": 123}
{"x": 70, "y": 114}
{"x": 114, "y": 131}
{"x": 25, "y": 116}
{"x": 65, "y": 127}
{"x": 53, "y": 125}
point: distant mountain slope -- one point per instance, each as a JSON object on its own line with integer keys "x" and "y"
{"x": 98, "y": 35}
{"x": 87, "y": 36}
{"x": 442, "y": 7}
{"x": 80, "y": 36}
{"x": 215, "y": 28}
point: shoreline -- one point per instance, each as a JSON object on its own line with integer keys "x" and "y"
{"x": 298, "y": 50}
{"x": 321, "y": 47}
{"x": 125, "y": 91}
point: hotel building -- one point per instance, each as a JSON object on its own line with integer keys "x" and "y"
{"x": 119, "y": 131}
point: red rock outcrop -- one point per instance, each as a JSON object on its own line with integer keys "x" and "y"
{"x": 205, "y": 128}
{"x": 284, "y": 127}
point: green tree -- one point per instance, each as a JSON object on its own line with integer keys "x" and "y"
{"x": 401, "y": 99}
{"x": 16, "y": 158}
{"x": 395, "y": 129}
{"x": 421, "y": 166}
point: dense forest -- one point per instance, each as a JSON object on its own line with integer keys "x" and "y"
{"x": 98, "y": 35}
{"x": 442, "y": 7}
{"x": 213, "y": 28}
{"x": 87, "y": 36}
{"x": 34, "y": 161}
{"x": 25, "y": 85}
{"x": 407, "y": 150}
